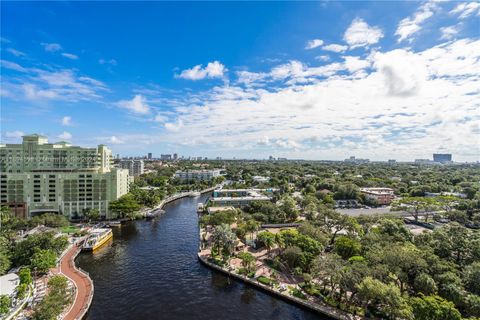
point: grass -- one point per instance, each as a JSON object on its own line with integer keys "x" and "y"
{"x": 69, "y": 229}
{"x": 266, "y": 281}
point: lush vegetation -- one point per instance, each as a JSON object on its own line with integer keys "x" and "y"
{"x": 367, "y": 265}
{"x": 57, "y": 299}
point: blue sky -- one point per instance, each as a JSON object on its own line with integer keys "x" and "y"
{"x": 314, "y": 80}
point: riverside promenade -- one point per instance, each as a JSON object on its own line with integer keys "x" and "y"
{"x": 83, "y": 285}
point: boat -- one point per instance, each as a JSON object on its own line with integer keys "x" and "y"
{"x": 112, "y": 224}
{"x": 200, "y": 207}
{"x": 97, "y": 238}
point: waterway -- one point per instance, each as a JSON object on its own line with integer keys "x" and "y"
{"x": 151, "y": 271}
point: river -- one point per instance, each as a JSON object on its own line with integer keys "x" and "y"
{"x": 151, "y": 271}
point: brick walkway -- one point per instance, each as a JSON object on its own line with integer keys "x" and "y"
{"x": 83, "y": 284}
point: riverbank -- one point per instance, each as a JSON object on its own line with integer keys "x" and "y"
{"x": 84, "y": 288}
{"x": 323, "y": 309}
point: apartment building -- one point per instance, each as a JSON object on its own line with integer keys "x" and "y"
{"x": 135, "y": 167}
{"x": 383, "y": 196}
{"x": 197, "y": 175}
{"x": 38, "y": 177}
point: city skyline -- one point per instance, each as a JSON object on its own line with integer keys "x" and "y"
{"x": 316, "y": 81}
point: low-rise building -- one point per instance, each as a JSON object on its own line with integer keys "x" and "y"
{"x": 239, "y": 198}
{"x": 197, "y": 175}
{"x": 382, "y": 196}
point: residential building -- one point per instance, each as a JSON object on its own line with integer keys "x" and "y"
{"x": 175, "y": 156}
{"x": 197, "y": 175}
{"x": 354, "y": 160}
{"x": 149, "y": 156}
{"x": 383, "y": 196}
{"x": 442, "y": 157}
{"x": 239, "y": 198}
{"x": 37, "y": 177}
{"x": 135, "y": 167}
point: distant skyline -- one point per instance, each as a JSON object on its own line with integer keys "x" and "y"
{"x": 310, "y": 80}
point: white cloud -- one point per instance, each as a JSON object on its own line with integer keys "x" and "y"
{"x": 65, "y": 135}
{"x": 394, "y": 104}
{"x": 16, "y": 53}
{"x": 67, "y": 121}
{"x": 160, "y": 118}
{"x": 360, "y": 34}
{"x": 213, "y": 70}
{"x": 137, "y": 105}
{"x": 112, "y": 62}
{"x": 466, "y": 9}
{"x": 311, "y": 44}
{"x": 411, "y": 25}
{"x": 174, "y": 127}
{"x": 449, "y": 33}
{"x": 322, "y": 58}
{"x": 14, "y": 134}
{"x": 70, "y": 56}
{"x": 115, "y": 140}
{"x": 51, "y": 47}
{"x": 12, "y": 66}
{"x": 335, "y": 47}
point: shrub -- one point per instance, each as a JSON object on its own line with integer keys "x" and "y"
{"x": 298, "y": 294}
{"x": 264, "y": 280}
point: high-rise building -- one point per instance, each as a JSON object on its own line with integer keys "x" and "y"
{"x": 442, "y": 157}
{"x": 135, "y": 167}
{"x": 166, "y": 157}
{"x": 149, "y": 157}
{"x": 175, "y": 156}
{"x": 37, "y": 177}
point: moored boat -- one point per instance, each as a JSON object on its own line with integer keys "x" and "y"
{"x": 97, "y": 238}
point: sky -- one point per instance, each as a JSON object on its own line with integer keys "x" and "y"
{"x": 304, "y": 80}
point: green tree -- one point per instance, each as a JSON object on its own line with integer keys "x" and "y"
{"x": 224, "y": 239}
{"x": 43, "y": 260}
{"x": 91, "y": 214}
{"x": 347, "y": 247}
{"x": 25, "y": 276}
{"x": 384, "y": 297}
{"x": 5, "y": 303}
{"x": 248, "y": 261}
{"x": 22, "y": 291}
{"x": 125, "y": 207}
{"x": 434, "y": 308}
{"x": 472, "y": 277}
{"x": 267, "y": 239}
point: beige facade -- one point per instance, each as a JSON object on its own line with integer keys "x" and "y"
{"x": 37, "y": 176}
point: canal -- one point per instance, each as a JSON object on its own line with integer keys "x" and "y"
{"x": 151, "y": 271}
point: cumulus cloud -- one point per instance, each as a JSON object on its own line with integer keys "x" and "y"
{"x": 213, "y": 69}
{"x": 335, "y": 47}
{"x": 360, "y": 34}
{"x": 50, "y": 83}
{"x": 411, "y": 25}
{"x": 449, "y": 33}
{"x": 394, "y": 104}
{"x": 67, "y": 121}
{"x": 466, "y": 9}
{"x": 313, "y": 44}
{"x": 65, "y": 135}
{"x": 70, "y": 56}
{"x": 137, "y": 105}
{"x": 51, "y": 47}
